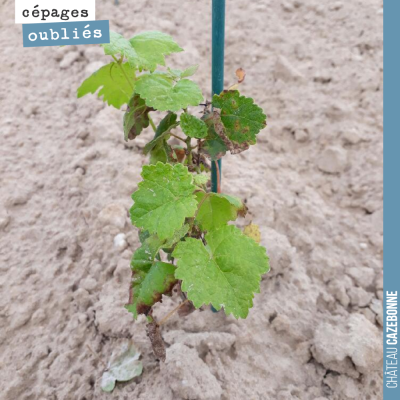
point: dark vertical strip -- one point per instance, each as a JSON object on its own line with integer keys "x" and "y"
{"x": 218, "y": 53}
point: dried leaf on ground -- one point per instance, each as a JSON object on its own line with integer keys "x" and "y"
{"x": 123, "y": 366}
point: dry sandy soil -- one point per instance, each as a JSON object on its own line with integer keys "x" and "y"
{"x": 314, "y": 185}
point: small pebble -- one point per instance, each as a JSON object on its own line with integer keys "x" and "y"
{"x": 120, "y": 241}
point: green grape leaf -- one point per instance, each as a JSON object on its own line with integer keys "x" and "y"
{"x": 233, "y": 200}
{"x": 161, "y": 92}
{"x": 178, "y": 235}
{"x": 151, "y": 49}
{"x": 242, "y": 118}
{"x": 152, "y": 278}
{"x": 169, "y": 244}
{"x": 178, "y": 74}
{"x": 119, "y": 45}
{"x": 164, "y": 199}
{"x": 217, "y": 142}
{"x": 115, "y": 89}
{"x": 237, "y": 203}
{"x": 226, "y": 272}
{"x": 143, "y": 235}
{"x": 201, "y": 179}
{"x": 160, "y": 153}
{"x": 149, "y": 285}
{"x": 146, "y": 254}
{"x": 214, "y": 211}
{"x": 144, "y": 51}
{"x": 213, "y": 146}
{"x": 164, "y": 128}
{"x": 123, "y": 366}
{"x": 136, "y": 117}
{"x": 172, "y": 73}
{"x": 193, "y": 126}
{"x": 189, "y": 71}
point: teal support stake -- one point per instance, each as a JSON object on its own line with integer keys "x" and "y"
{"x": 218, "y": 52}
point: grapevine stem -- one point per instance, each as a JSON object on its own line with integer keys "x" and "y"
{"x": 189, "y": 150}
{"x": 177, "y": 137}
{"x": 152, "y": 123}
{"x": 168, "y": 316}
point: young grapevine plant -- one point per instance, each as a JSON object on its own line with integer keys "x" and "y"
{"x": 186, "y": 239}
